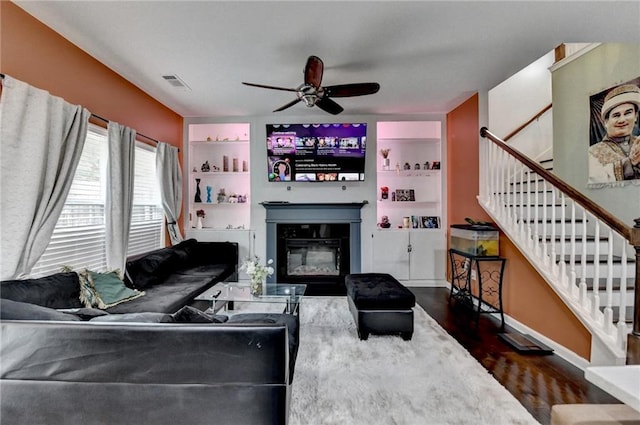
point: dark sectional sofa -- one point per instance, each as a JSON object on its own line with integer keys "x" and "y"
{"x": 151, "y": 360}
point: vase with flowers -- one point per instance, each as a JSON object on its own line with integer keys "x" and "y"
{"x": 257, "y": 272}
{"x": 385, "y": 158}
{"x": 201, "y": 214}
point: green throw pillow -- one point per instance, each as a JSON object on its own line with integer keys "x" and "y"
{"x": 111, "y": 290}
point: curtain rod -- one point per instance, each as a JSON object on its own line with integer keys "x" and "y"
{"x": 107, "y": 121}
{"x": 138, "y": 134}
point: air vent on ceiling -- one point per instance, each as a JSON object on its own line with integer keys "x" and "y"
{"x": 176, "y": 81}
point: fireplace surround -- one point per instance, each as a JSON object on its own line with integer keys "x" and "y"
{"x": 317, "y": 244}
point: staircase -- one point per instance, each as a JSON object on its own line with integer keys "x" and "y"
{"x": 584, "y": 256}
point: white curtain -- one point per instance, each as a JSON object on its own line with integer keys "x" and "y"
{"x": 41, "y": 140}
{"x": 119, "y": 199}
{"x": 170, "y": 181}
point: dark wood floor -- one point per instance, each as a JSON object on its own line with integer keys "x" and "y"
{"x": 537, "y": 381}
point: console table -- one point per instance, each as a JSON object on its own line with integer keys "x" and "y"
{"x": 487, "y": 271}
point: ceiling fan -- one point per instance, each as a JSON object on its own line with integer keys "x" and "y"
{"x": 313, "y": 94}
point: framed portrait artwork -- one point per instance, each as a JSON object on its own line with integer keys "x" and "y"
{"x": 614, "y": 136}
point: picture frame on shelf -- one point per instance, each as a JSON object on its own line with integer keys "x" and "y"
{"x": 435, "y": 165}
{"x": 430, "y": 222}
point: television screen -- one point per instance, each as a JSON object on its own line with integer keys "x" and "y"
{"x": 316, "y": 152}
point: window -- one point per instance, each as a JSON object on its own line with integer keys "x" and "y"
{"x": 78, "y": 240}
{"x": 147, "y": 216}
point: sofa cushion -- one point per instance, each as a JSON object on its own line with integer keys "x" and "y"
{"x": 88, "y": 296}
{"x": 212, "y": 271}
{"x": 16, "y": 310}
{"x": 184, "y": 250}
{"x": 188, "y": 314}
{"x": 135, "y": 317}
{"x": 111, "y": 290}
{"x": 152, "y": 268}
{"x": 293, "y": 330}
{"x": 173, "y": 294}
{"x": 84, "y": 313}
{"x": 60, "y": 290}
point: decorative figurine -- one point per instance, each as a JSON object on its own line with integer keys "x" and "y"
{"x": 407, "y": 166}
{"x": 384, "y": 192}
{"x": 384, "y": 222}
{"x": 222, "y": 197}
{"x": 209, "y": 194}
{"x": 197, "y": 197}
{"x": 416, "y": 167}
{"x": 205, "y": 167}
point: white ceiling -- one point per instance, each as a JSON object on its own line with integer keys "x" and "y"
{"x": 428, "y": 56}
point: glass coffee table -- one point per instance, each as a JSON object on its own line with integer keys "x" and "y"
{"x": 225, "y": 294}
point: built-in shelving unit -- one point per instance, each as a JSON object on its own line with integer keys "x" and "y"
{"x": 409, "y": 184}
{"x": 218, "y": 170}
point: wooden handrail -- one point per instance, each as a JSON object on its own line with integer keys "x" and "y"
{"x": 631, "y": 234}
{"x": 604, "y": 215}
{"x": 526, "y": 124}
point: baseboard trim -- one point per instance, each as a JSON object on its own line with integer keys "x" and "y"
{"x": 559, "y": 350}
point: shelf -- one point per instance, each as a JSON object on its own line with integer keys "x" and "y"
{"x": 221, "y": 204}
{"x": 220, "y": 229}
{"x": 219, "y": 173}
{"x": 409, "y": 140}
{"x": 218, "y": 142}
{"x": 409, "y": 229}
{"x": 408, "y": 204}
{"x": 408, "y": 173}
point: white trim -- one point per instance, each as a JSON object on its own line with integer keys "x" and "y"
{"x": 561, "y": 351}
{"x": 573, "y": 56}
{"x": 558, "y": 349}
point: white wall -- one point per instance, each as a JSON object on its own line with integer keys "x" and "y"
{"x": 573, "y": 83}
{"x": 518, "y": 99}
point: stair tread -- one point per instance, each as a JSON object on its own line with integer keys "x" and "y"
{"x": 558, "y": 238}
{"x": 535, "y": 205}
{"x": 602, "y": 259}
{"x": 550, "y": 220}
{"x": 615, "y": 283}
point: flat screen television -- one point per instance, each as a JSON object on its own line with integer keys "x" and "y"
{"x": 316, "y": 152}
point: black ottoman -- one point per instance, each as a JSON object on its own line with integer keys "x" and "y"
{"x": 380, "y": 305}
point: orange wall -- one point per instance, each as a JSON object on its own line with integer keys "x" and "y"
{"x": 526, "y": 296}
{"x": 34, "y": 53}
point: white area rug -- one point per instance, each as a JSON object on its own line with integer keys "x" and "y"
{"x": 387, "y": 381}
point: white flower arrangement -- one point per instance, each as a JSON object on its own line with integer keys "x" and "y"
{"x": 256, "y": 271}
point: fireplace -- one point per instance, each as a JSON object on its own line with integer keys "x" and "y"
{"x": 314, "y": 244}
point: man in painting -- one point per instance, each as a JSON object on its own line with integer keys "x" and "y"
{"x": 617, "y": 156}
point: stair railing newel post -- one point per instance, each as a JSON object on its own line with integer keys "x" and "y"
{"x": 633, "y": 339}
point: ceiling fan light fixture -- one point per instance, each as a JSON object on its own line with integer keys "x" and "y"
{"x": 309, "y": 99}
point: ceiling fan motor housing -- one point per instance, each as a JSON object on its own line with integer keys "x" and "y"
{"x": 309, "y": 94}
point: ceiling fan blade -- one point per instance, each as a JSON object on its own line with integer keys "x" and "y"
{"x": 288, "y": 105}
{"x": 313, "y": 71}
{"x": 329, "y": 106}
{"x": 269, "y": 87}
{"x": 348, "y": 90}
